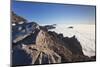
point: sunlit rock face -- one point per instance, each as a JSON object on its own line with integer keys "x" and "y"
{"x": 48, "y": 41}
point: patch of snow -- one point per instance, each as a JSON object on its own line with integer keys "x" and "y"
{"x": 13, "y": 24}
{"x": 21, "y": 22}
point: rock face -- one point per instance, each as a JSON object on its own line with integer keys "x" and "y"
{"x": 47, "y": 50}
{"x": 48, "y": 41}
{"x": 73, "y": 44}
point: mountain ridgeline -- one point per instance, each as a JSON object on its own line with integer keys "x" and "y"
{"x": 35, "y": 44}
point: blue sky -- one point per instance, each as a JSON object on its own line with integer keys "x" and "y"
{"x": 45, "y": 13}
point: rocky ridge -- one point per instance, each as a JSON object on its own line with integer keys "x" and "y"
{"x": 34, "y": 44}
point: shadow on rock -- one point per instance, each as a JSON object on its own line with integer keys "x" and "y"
{"x": 20, "y": 57}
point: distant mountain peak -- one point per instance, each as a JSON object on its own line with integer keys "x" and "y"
{"x": 17, "y": 19}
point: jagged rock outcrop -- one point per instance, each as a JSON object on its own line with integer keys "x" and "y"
{"x": 48, "y": 49}
{"x": 73, "y": 44}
